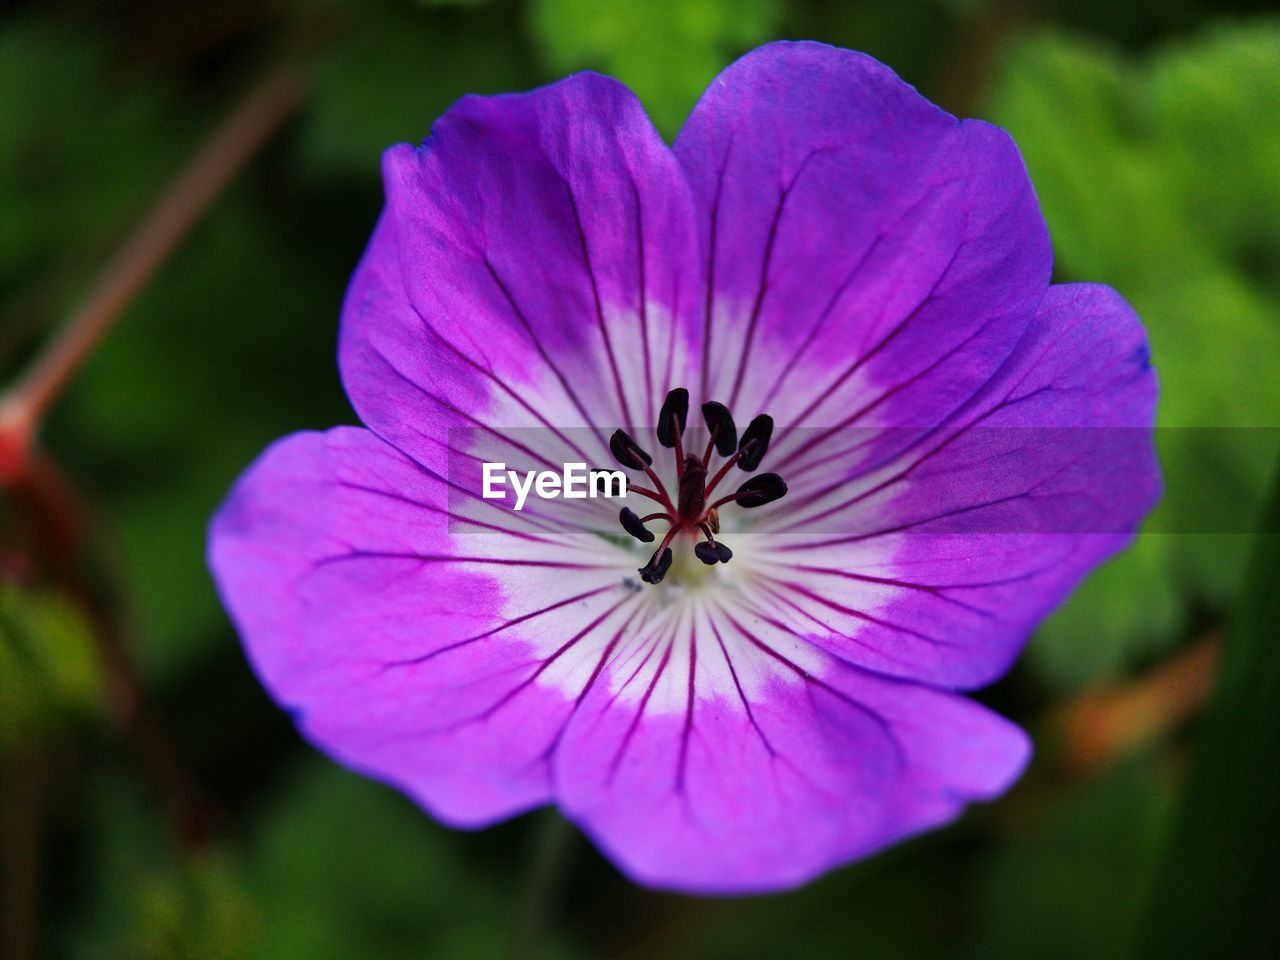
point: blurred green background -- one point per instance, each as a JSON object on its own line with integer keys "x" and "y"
{"x": 155, "y": 804}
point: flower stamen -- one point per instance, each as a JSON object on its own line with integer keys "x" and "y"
{"x": 691, "y": 513}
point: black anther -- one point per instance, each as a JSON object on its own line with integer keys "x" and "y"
{"x": 673, "y": 416}
{"x": 632, "y": 524}
{"x": 705, "y": 551}
{"x": 755, "y": 442}
{"x": 657, "y": 567}
{"x": 720, "y": 423}
{"x": 762, "y": 489}
{"x": 627, "y": 452}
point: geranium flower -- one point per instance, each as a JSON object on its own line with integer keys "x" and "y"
{"x": 827, "y": 283}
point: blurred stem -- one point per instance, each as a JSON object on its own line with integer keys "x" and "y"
{"x": 1219, "y": 888}
{"x": 550, "y": 852}
{"x": 23, "y": 786}
{"x": 971, "y": 58}
{"x": 262, "y": 111}
{"x": 56, "y": 517}
{"x": 1103, "y": 725}
{"x": 49, "y": 504}
{"x": 1100, "y": 727}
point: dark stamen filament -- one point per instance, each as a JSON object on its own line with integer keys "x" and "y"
{"x": 661, "y": 498}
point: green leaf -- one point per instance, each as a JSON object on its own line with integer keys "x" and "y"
{"x": 49, "y": 669}
{"x": 395, "y": 73}
{"x": 667, "y": 51}
{"x": 1219, "y": 886}
{"x": 1158, "y": 178}
{"x": 1070, "y": 884}
{"x": 1214, "y": 119}
{"x": 200, "y": 912}
{"x": 346, "y": 867}
{"x": 81, "y": 147}
{"x": 138, "y": 898}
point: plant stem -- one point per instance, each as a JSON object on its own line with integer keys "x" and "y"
{"x": 551, "y": 846}
{"x": 47, "y": 501}
{"x": 56, "y": 527}
{"x": 239, "y": 138}
{"x": 1216, "y": 892}
{"x": 23, "y": 787}
{"x": 1104, "y": 724}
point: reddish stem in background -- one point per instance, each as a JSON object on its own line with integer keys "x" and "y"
{"x": 241, "y": 135}
{"x": 50, "y": 507}
{"x": 1108, "y": 722}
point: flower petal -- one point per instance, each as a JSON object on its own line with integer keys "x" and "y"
{"x": 431, "y": 658}
{"x": 938, "y": 565}
{"x": 867, "y": 252}
{"x": 543, "y": 242}
{"x": 799, "y": 763}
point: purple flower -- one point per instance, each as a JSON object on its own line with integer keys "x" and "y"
{"x": 853, "y": 288}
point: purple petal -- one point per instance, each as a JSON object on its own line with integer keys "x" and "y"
{"x": 869, "y": 254}
{"x": 534, "y": 267}
{"x": 938, "y": 565}
{"x": 382, "y": 629}
{"x": 737, "y": 759}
